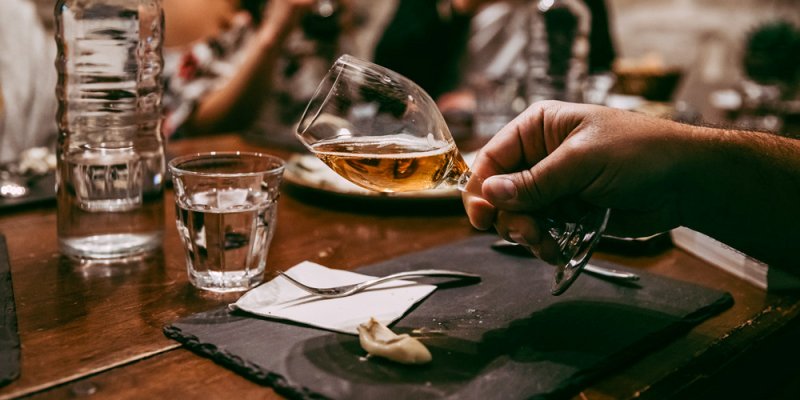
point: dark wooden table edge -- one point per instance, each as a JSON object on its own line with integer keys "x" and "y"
{"x": 692, "y": 380}
{"x": 756, "y": 342}
{"x": 34, "y": 390}
{"x": 9, "y": 337}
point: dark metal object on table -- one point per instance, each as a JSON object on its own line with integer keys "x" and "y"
{"x": 9, "y": 338}
{"x": 635, "y": 246}
{"x": 601, "y": 272}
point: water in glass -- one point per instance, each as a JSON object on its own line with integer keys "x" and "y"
{"x": 226, "y": 208}
{"x": 226, "y": 234}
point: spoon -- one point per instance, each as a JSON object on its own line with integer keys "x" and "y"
{"x": 609, "y": 273}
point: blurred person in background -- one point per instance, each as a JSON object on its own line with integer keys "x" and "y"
{"x": 27, "y": 77}
{"x": 440, "y": 44}
{"x": 232, "y": 63}
{"x": 220, "y": 77}
{"x": 426, "y": 41}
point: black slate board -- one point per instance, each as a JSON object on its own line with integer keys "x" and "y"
{"x": 504, "y": 337}
{"x": 9, "y": 338}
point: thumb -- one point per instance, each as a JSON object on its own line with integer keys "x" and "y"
{"x": 558, "y": 175}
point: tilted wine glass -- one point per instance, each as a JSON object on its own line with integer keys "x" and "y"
{"x": 381, "y": 131}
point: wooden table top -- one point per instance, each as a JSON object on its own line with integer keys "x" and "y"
{"x": 97, "y": 331}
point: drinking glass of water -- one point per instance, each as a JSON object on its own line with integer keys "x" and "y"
{"x": 381, "y": 131}
{"x": 225, "y": 207}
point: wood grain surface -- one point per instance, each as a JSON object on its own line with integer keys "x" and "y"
{"x": 96, "y": 330}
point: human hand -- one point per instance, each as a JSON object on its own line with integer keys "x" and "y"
{"x": 560, "y": 160}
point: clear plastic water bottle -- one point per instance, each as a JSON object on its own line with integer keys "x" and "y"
{"x": 558, "y": 50}
{"x": 110, "y": 180}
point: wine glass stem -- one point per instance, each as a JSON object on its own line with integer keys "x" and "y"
{"x": 469, "y": 183}
{"x": 593, "y": 223}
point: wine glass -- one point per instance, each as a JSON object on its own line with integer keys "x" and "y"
{"x": 382, "y": 132}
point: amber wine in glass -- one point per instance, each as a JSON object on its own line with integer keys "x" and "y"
{"x": 395, "y": 163}
{"x": 382, "y": 132}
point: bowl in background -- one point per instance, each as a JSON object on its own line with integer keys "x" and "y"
{"x": 653, "y": 85}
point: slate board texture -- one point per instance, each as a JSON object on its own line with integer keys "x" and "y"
{"x": 505, "y": 337}
{"x": 9, "y": 338}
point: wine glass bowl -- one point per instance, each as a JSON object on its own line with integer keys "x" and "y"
{"x": 382, "y": 132}
{"x": 379, "y": 130}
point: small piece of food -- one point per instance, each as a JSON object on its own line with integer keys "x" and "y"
{"x": 380, "y": 341}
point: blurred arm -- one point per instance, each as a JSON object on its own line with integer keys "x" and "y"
{"x": 236, "y": 103}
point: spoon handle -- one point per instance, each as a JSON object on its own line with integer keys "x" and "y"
{"x": 610, "y": 273}
{"x": 504, "y": 245}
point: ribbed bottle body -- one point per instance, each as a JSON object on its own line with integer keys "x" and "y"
{"x": 110, "y": 150}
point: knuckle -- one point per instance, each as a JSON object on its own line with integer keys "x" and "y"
{"x": 530, "y": 189}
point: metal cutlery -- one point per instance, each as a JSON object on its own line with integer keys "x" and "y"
{"x": 347, "y": 290}
{"x": 609, "y": 273}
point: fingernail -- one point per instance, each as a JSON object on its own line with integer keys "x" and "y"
{"x": 502, "y": 188}
{"x": 517, "y": 238}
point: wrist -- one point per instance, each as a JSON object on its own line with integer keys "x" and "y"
{"x": 267, "y": 40}
{"x": 700, "y": 161}
{"x": 275, "y": 28}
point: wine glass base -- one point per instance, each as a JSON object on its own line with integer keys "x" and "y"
{"x": 577, "y": 242}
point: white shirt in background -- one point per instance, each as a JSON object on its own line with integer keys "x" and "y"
{"x": 27, "y": 80}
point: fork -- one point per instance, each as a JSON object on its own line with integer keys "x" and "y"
{"x": 347, "y": 290}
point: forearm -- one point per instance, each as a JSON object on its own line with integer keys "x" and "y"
{"x": 743, "y": 188}
{"x": 235, "y": 104}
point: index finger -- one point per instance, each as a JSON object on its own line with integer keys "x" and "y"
{"x": 502, "y": 154}
{"x": 527, "y": 139}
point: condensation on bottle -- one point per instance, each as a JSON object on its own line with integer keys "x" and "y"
{"x": 557, "y": 50}
{"x": 110, "y": 179}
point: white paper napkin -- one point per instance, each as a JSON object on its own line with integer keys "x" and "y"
{"x": 280, "y": 299}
